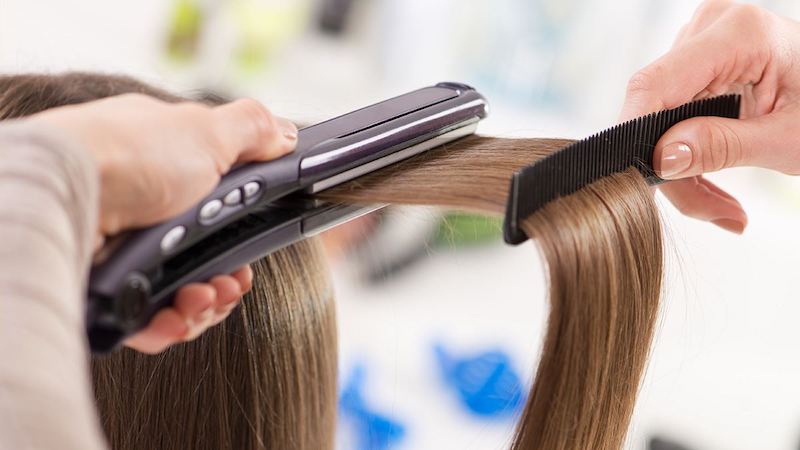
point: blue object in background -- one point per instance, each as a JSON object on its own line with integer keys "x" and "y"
{"x": 486, "y": 383}
{"x": 373, "y": 431}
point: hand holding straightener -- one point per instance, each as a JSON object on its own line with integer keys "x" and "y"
{"x": 157, "y": 159}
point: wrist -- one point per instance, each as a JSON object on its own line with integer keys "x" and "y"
{"x": 107, "y": 165}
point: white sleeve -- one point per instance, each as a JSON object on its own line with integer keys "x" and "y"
{"x": 48, "y": 208}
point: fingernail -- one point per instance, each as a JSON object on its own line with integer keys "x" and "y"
{"x": 734, "y": 226}
{"x": 675, "y": 158}
{"x": 288, "y": 129}
{"x": 206, "y": 314}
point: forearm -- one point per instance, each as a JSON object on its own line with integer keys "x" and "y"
{"x": 48, "y": 207}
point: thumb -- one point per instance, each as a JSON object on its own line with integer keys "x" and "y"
{"x": 708, "y": 144}
{"x": 250, "y": 132}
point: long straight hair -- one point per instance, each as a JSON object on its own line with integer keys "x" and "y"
{"x": 602, "y": 245}
{"x": 603, "y": 248}
{"x": 265, "y": 378}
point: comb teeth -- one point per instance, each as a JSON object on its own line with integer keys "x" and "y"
{"x": 579, "y": 164}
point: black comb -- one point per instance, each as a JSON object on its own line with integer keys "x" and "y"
{"x": 629, "y": 144}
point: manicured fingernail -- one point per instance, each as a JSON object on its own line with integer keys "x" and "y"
{"x": 287, "y": 128}
{"x": 675, "y": 158}
{"x": 734, "y": 226}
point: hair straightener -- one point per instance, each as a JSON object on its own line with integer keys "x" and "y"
{"x": 259, "y": 208}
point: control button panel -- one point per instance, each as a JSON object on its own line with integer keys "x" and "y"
{"x": 210, "y": 209}
{"x": 251, "y": 189}
{"x": 172, "y": 238}
{"x": 233, "y": 197}
{"x": 217, "y": 209}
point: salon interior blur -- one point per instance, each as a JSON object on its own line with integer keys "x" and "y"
{"x": 419, "y": 290}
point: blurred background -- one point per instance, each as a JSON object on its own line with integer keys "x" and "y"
{"x": 439, "y": 322}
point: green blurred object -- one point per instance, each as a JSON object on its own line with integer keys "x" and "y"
{"x": 185, "y": 27}
{"x": 247, "y": 35}
{"x": 785, "y": 189}
{"x": 462, "y": 229}
{"x": 263, "y": 28}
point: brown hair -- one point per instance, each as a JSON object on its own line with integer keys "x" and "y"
{"x": 262, "y": 379}
{"x": 603, "y": 247}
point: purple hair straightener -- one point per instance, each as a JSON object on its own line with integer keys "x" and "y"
{"x": 259, "y": 208}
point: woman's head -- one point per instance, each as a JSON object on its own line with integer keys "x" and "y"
{"x": 266, "y": 377}
{"x": 23, "y": 95}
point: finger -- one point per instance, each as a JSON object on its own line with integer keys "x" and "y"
{"x": 166, "y": 328}
{"x": 227, "y": 292}
{"x": 705, "y": 15}
{"x": 707, "y": 144}
{"x": 228, "y": 289}
{"x": 718, "y": 190}
{"x": 194, "y": 299}
{"x": 683, "y": 33}
{"x": 223, "y": 312}
{"x": 245, "y": 278}
{"x": 701, "y": 199}
{"x": 252, "y": 133}
{"x": 673, "y": 79}
{"x": 704, "y": 61}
